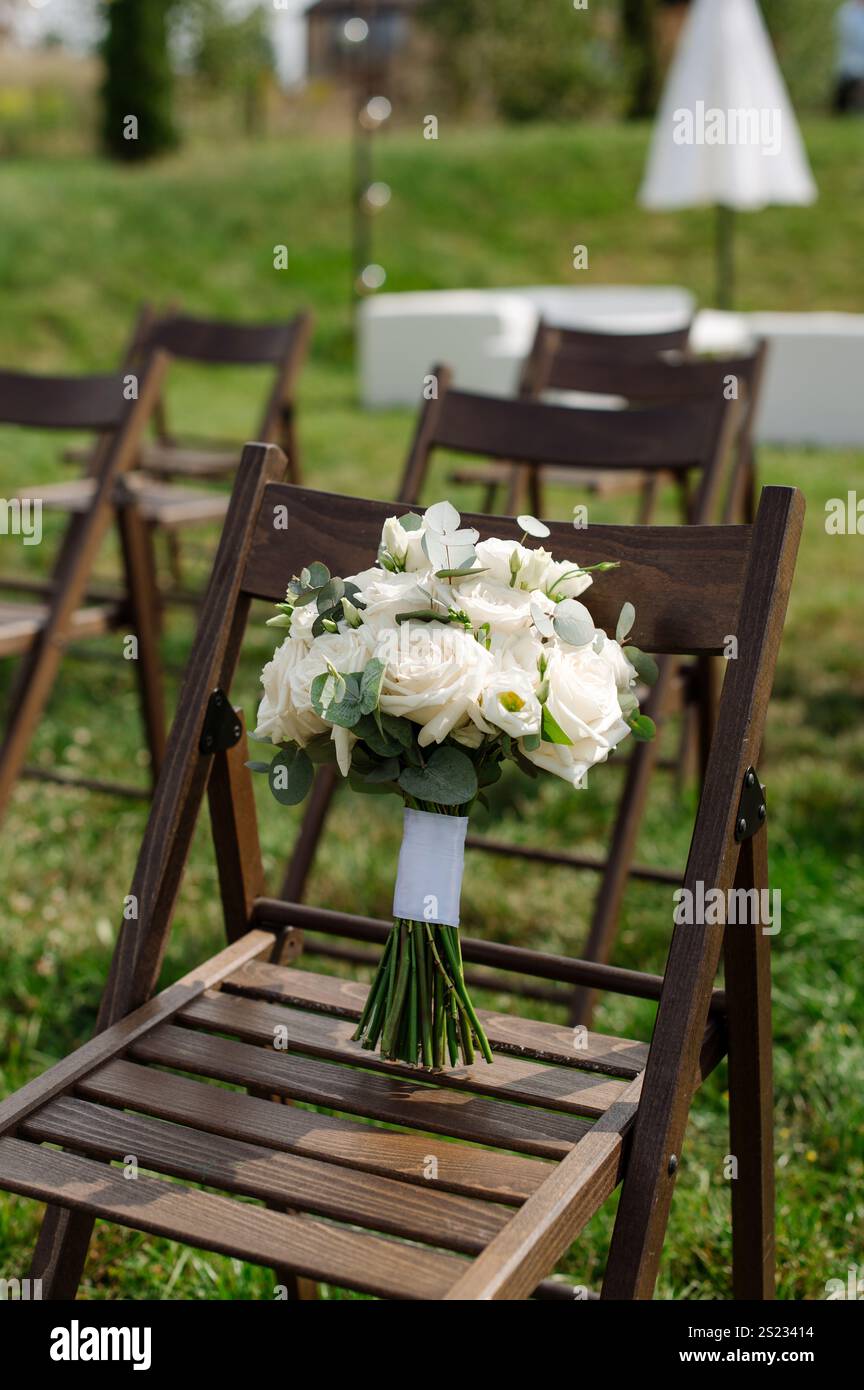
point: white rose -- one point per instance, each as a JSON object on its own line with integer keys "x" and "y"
{"x": 558, "y": 759}
{"x": 346, "y": 652}
{"x": 280, "y": 718}
{"x": 406, "y": 547}
{"x": 434, "y": 678}
{"x": 583, "y": 700}
{"x": 506, "y": 610}
{"x": 384, "y": 595}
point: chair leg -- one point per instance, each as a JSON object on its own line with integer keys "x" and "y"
{"x": 648, "y": 496}
{"x": 300, "y": 863}
{"x": 747, "y": 951}
{"x": 61, "y": 1252}
{"x": 139, "y": 561}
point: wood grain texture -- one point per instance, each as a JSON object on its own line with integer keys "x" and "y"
{"x": 471, "y": 1172}
{"x": 391, "y": 1099}
{"x": 110, "y": 1041}
{"x": 321, "y": 1035}
{"x": 316, "y": 1249}
{"x": 687, "y": 579}
{"x": 525, "y": 1037}
{"x": 302, "y": 1184}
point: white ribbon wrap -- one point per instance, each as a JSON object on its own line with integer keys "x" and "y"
{"x": 431, "y": 863}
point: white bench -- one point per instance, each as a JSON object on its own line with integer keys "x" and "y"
{"x": 813, "y": 381}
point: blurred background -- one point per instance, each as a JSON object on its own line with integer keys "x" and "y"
{"x": 323, "y": 156}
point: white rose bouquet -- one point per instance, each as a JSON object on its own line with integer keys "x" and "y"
{"x": 421, "y": 676}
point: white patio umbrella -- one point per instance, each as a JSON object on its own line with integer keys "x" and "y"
{"x": 726, "y": 132}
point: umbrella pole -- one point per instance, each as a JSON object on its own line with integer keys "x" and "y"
{"x": 725, "y": 256}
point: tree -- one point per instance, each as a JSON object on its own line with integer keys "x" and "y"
{"x": 639, "y": 30}
{"x": 138, "y": 88}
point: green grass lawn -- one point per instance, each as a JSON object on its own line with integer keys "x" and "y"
{"x": 80, "y": 245}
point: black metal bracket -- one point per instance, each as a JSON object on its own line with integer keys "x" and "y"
{"x": 222, "y": 729}
{"x": 752, "y": 808}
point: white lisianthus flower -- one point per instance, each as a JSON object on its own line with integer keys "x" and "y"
{"x": 435, "y": 681}
{"x": 406, "y": 547}
{"x": 583, "y": 701}
{"x": 564, "y": 579}
{"x": 509, "y": 702}
{"x": 301, "y": 622}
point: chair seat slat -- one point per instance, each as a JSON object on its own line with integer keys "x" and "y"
{"x": 548, "y": 1042}
{"x": 513, "y": 1078}
{"x": 501, "y": 1177}
{"x": 302, "y": 1184}
{"x": 392, "y": 1100}
{"x": 316, "y": 1249}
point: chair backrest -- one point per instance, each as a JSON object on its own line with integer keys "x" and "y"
{"x": 222, "y": 341}
{"x": 690, "y": 435}
{"x": 693, "y": 586}
{"x": 282, "y": 346}
{"x": 94, "y": 403}
{"x": 656, "y": 380}
{"x": 116, "y": 408}
{"x": 579, "y": 345}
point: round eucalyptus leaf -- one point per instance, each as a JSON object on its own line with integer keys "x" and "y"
{"x": 290, "y": 776}
{"x": 533, "y": 527}
{"x": 448, "y": 779}
{"x": 573, "y": 623}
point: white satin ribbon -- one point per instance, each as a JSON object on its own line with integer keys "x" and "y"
{"x": 431, "y": 863}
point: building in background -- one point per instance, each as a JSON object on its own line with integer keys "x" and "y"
{"x": 393, "y": 30}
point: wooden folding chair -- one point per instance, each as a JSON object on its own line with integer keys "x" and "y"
{"x": 40, "y": 632}
{"x": 168, "y": 463}
{"x": 363, "y": 1196}
{"x": 636, "y": 370}
{"x": 685, "y": 440}
{"x": 579, "y": 345}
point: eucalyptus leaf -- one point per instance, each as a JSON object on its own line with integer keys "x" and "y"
{"x": 290, "y": 776}
{"x": 410, "y": 521}
{"x": 442, "y": 517}
{"x": 319, "y": 575}
{"x": 573, "y": 623}
{"x": 646, "y": 667}
{"x": 533, "y": 527}
{"x": 642, "y": 728}
{"x": 626, "y": 619}
{"x": 448, "y": 779}
{"x": 388, "y": 771}
{"x": 254, "y": 766}
{"x": 370, "y": 685}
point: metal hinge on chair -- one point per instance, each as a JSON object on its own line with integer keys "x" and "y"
{"x": 752, "y": 809}
{"x": 222, "y": 728}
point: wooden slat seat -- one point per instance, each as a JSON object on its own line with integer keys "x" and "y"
{"x": 161, "y": 504}
{"x": 357, "y": 1192}
{"x": 22, "y": 623}
{"x": 167, "y": 460}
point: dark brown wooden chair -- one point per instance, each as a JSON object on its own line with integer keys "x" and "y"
{"x": 688, "y": 441}
{"x": 345, "y": 1196}
{"x": 282, "y": 346}
{"x": 638, "y": 371}
{"x": 38, "y": 632}
{"x": 581, "y": 345}
{"x": 168, "y": 463}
